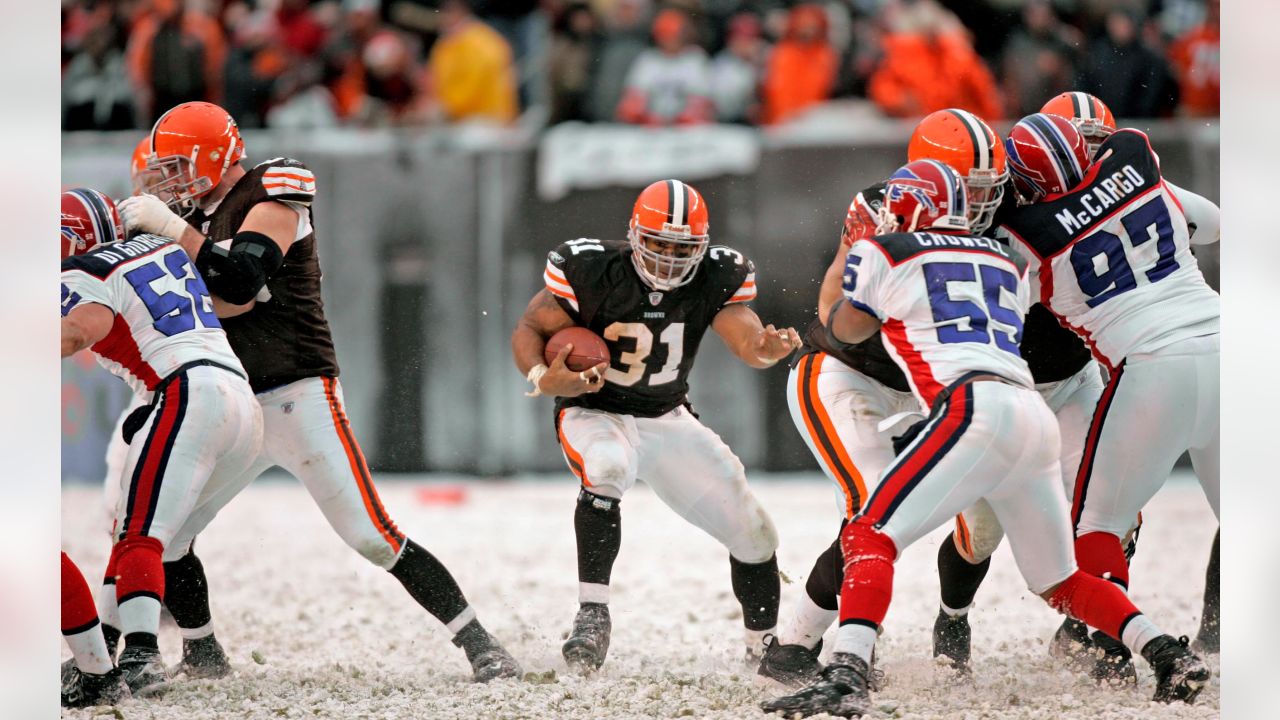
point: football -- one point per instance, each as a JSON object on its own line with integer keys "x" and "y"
{"x": 589, "y": 349}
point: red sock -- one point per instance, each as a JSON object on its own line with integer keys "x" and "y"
{"x": 868, "y": 573}
{"x": 140, "y": 568}
{"x": 1100, "y": 554}
{"x": 78, "y": 611}
{"x": 1095, "y": 602}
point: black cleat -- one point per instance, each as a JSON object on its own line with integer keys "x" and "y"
{"x": 1113, "y": 664}
{"x": 951, "y": 638}
{"x": 841, "y": 690}
{"x": 489, "y": 660}
{"x": 143, "y": 670}
{"x": 1071, "y": 643}
{"x": 82, "y": 689}
{"x": 1180, "y": 675}
{"x": 792, "y": 665}
{"x": 588, "y": 644}
{"x": 203, "y": 659}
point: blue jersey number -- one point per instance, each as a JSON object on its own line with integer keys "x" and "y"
{"x": 1100, "y": 261}
{"x": 173, "y": 312}
{"x": 948, "y": 310}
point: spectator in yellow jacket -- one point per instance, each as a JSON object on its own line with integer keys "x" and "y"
{"x": 469, "y": 74}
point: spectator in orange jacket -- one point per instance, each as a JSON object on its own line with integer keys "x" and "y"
{"x": 175, "y": 55}
{"x": 1195, "y": 56}
{"x": 801, "y": 70}
{"x": 929, "y": 65}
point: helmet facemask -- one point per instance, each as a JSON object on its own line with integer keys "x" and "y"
{"x": 173, "y": 179}
{"x": 666, "y": 258}
{"x": 986, "y": 191}
{"x": 1093, "y": 132}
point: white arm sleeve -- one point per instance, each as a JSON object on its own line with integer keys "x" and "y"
{"x": 1203, "y": 217}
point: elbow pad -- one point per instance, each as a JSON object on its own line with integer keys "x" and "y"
{"x": 237, "y": 274}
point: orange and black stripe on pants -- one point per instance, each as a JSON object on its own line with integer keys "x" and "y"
{"x": 571, "y": 456}
{"x": 823, "y": 434}
{"x": 360, "y": 469}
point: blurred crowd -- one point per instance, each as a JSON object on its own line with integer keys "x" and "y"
{"x": 321, "y": 63}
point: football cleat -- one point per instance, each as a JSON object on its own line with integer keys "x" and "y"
{"x": 1114, "y": 663}
{"x": 203, "y": 659}
{"x": 588, "y": 643}
{"x": 82, "y": 689}
{"x": 1180, "y": 675}
{"x": 1071, "y": 643}
{"x": 841, "y": 691}
{"x": 952, "y": 639}
{"x": 143, "y": 670}
{"x": 792, "y": 665}
{"x": 489, "y": 660}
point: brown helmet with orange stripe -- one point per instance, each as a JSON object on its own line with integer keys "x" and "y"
{"x": 668, "y": 233}
{"x": 1089, "y": 114}
{"x": 192, "y": 145}
{"x": 968, "y": 145}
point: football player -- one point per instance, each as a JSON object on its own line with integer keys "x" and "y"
{"x": 147, "y": 316}
{"x": 1087, "y": 227}
{"x": 652, "y": 298}
{"x": 853, "y": 390}
{"x": 951, "y": 307}
{"x": 250, "y": 231}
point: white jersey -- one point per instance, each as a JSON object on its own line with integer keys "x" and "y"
{"x": 949, "y": 305}
{"x": 670, "y": 82}
{"x": 163, "y": 314}
{"x": 1112, "y": 258}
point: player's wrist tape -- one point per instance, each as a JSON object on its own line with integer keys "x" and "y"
{"x": 173, "y": 228}
{"x": 534, "y": 376}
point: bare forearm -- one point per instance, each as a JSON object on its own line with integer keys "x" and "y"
{"x": 192, "y": 241}
{"x": 73, "y": 338}
{"x": 527, "y": 347}
{"x": 850, "y": 325}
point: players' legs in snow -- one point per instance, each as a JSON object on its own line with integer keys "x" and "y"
{"x": 837, "y": 411}
{"x": 1127, "y": 458}
{"x": 80, "y": 626}
{"x": 204, "y": 431}
{"x": 1208, "y": 638}
{"x": 600, "y": 450}
{"x": 308, "y": 434}
{"x": 696, "y": 474}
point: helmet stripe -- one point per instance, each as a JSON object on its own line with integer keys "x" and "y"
{"x": 98, "y": 213}
{"x": 679, "y": 206}
{"x": 981, "y": 149}
{"x": 671, "y": 201}
{"x": 688, "y": 204}
{"x": 1056, "y": 144}
{"x": 1076, "y": 105}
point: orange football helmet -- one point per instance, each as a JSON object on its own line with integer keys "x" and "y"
{"x": 668, "y": 233}
{"x": 138, "y": 165}
{"x": 191, "y": 147}
{"x": 969, "y": 146}
{"x": 1089, "y": 114}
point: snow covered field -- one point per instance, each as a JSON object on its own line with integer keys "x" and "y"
{"x": 314, "y": 631}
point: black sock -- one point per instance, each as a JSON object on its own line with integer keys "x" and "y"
{"x": 758, "y": 588}
{"x": 112, "y": 636}
{"x": 823, "y": 585}
{"x": 429, "y": 582}
{"x": 141, "y": 639}
{"x": 1210, "y": 619}
{"x": 186, "y": 592}
{"x": 597, "y": 525}
{"x": 958, "y": 577}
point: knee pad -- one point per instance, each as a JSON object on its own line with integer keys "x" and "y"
{"x": 982, "y": 534}
{"x": 137, "y": 560}
{"x": 756, "y": 539}
{"x": 607, "y": 469}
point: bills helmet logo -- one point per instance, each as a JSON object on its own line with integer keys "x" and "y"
{"x": 924, "y": 194}
{"x": 89, "y": 218}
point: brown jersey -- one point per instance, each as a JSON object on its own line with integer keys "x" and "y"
{"x": 283, "y": 338}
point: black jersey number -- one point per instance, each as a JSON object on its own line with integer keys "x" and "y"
{"x": 634, "y": 361}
